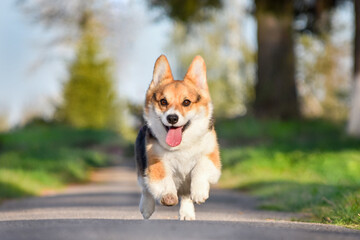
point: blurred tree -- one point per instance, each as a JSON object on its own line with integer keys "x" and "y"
{"x": 314, "y": 16}
{"x": 275, "y": 90}
{"x": 114, "y": 30}
{"x": 89, "y": 93}
{"x": 354, "y": 118}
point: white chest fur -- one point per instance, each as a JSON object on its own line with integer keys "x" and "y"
{"x": 180, "y": 163}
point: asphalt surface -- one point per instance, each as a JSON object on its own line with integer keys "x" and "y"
{"x": 108, "y": 209}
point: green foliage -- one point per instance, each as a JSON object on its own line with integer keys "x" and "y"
{"x": 89, "y": 93}
{"x": 49, "y": 156}
{"x": 308, "y": 166}
{"x": 186, "y": 11}
{"x": 324, "y": 81}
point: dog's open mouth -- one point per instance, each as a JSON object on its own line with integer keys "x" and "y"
{"x": 174, "y": 134}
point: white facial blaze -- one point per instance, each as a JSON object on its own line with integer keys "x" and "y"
{"x": 181, "y": 122}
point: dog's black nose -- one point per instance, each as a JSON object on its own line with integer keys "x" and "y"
{"x": 172, "y": 118}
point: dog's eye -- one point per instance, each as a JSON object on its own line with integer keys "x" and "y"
{"x": 163, "y": 102}
{"x": 186, "y": 103}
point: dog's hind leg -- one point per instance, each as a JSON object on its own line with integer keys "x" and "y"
{"x": 187, "y": 210}
{"x": 147, "y": 204}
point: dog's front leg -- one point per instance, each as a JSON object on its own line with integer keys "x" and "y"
{"x": 206, "y": 171}
{"x": 164, "y": 191}
{"x": 187, "y": 210}
{"x": 159, "y": 180}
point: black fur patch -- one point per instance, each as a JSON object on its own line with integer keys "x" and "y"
{"x": 211, "y": 123}
{"x": 140, "y": 151}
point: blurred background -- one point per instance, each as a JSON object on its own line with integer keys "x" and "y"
{"x": 283, "y": 75}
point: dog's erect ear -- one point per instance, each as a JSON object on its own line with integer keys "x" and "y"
{"x": 162, "y": 71}
{"x": 197, "y": 73}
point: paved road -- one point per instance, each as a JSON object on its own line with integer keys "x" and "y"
{"x": 108, "y": 209}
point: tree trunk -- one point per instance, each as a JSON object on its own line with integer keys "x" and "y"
{"x": 275, "y": 90}
{"x": 354, "y": 118}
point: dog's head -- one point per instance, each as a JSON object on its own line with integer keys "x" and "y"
{"x": 178, "y": 111}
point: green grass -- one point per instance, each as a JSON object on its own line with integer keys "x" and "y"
{"x": 302, "y": 166}
{"x": 42, "y": 156}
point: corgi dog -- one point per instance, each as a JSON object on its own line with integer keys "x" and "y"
{"x": 177, "y": 153}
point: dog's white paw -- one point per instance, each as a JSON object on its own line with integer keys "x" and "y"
{"x": 187, "y": 210}
{"x": 147, "y": 205}
{"x": 200, "y": 192}
{"x": 200, "y": 197}
{"x": 187, "y": 216}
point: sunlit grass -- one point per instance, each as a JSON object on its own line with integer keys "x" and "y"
{"x": 39, "y": 157}
{"x": 309, "y": 166}
{"x": 19, "y": 183}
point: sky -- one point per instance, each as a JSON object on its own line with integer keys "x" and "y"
{"x": 19, "y": 85}
{"x": 29, "y": 83}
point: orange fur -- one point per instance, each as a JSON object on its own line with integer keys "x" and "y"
{"x": 155, "y": 170}
{"x": 215, "y": 157}
{"x": 175, "y": 92}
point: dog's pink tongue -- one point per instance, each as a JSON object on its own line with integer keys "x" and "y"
{"x": 174, "y": 136}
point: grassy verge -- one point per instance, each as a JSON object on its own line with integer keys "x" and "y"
{"x": 304, "y": 166}
{"x": 42, "y": 156}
